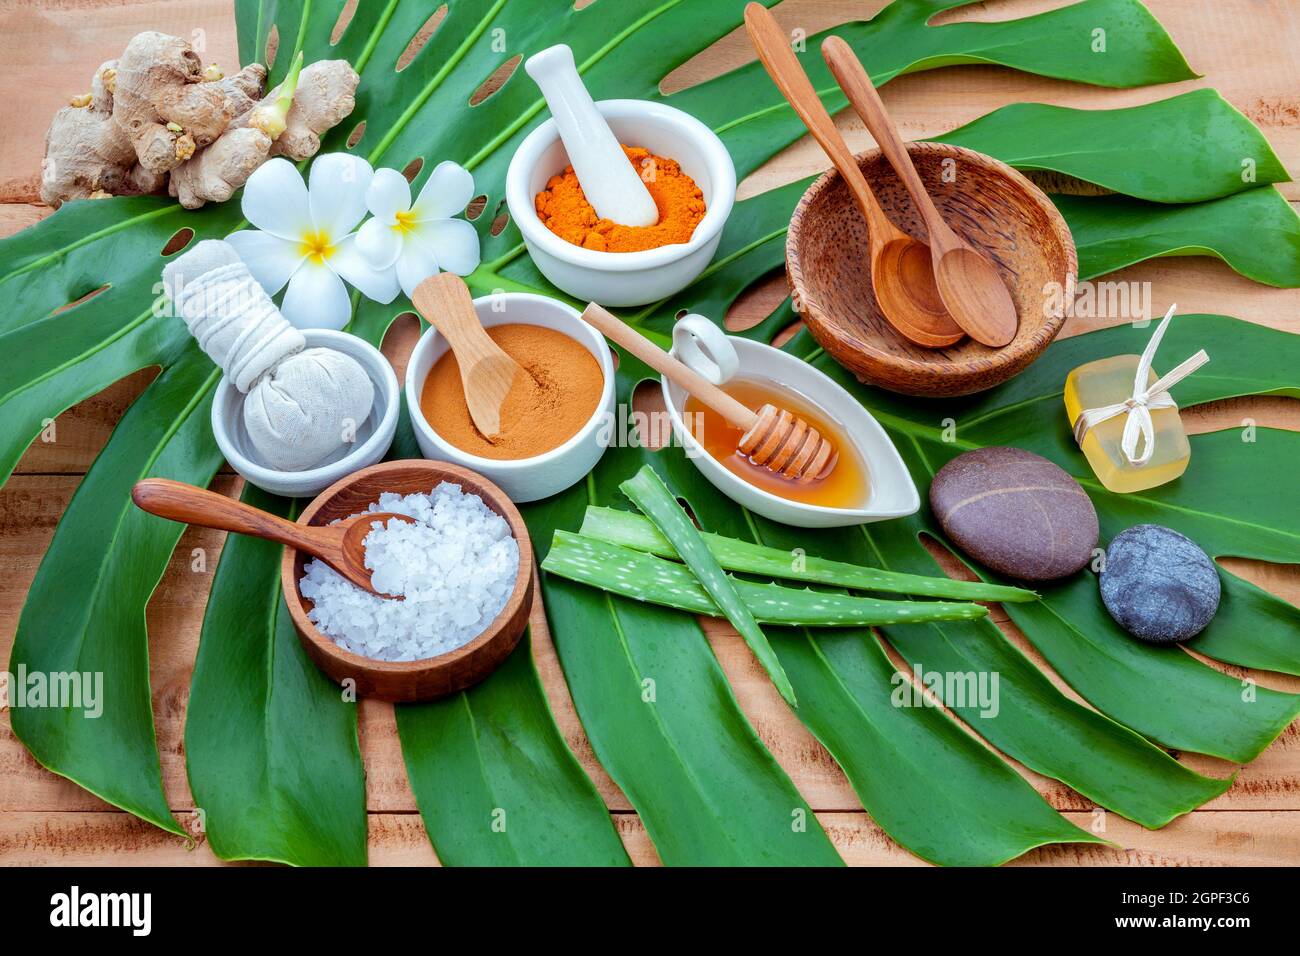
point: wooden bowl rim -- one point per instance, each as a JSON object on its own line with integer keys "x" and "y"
{"x": 491, "y": 495}
{"x": 1018, "y": 353}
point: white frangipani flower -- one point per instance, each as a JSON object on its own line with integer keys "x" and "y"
{"x": 417, "y": 240}
{"x": 305, "y": 238}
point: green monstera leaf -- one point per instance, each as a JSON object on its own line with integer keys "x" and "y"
{"x": 1194, "y": 180}
{"x": 932, "y": 798}
{"x": 83, "y": 287}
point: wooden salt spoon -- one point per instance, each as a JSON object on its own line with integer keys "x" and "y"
{"x": 486, "y": 372}
{"x": 341, "y": 545}
{"x": 969, "y": 283}
{"x": 902, "y": 275}
{"x": 773, "y": 438}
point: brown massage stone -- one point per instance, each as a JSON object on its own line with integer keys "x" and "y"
{"x": 1016, "y": 513}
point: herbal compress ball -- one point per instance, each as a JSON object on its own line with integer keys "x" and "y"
{"x": 301, "y": 405}
{"x": 1158, "y": 585}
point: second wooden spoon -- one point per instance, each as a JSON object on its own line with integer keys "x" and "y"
{"x": 902, "y": 276}
{"x": 969, "y": 283}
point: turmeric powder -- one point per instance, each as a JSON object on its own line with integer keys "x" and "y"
{"x": 564, "y": 209}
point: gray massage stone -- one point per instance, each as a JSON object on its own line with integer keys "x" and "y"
{"x": 1015, "y": 512}
{"x": 1158, "y": 585}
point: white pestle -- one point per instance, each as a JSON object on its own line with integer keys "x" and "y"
{"x": 610, "y": 183}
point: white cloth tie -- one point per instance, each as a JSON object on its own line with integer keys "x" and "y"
{"x": 1138, "y": 407}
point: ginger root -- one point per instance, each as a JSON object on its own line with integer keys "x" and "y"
{"x": 157, "y": 119}
{"x": 87, "y": 154}
{"x": 324, "y": 98}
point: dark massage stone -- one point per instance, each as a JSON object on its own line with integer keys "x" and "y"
{"x": 1015, "y": 512}
{"x": 1158, "y": 585}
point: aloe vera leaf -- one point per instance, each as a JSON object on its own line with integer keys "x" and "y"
{"x": 269, "y": 790}
{"x": 644, "y": 577}
{"x": 633, "y": 531}
{"x": 1129, "y": 150}
{"x": 649, "y": 493}
{"x": 495, "y": 782}
{"x": 1256, "y": 232}
{"x": 85, "y": 609}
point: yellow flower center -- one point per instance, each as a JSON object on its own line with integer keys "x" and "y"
{"x": 405, "y": 221}
{"x": 316, "y": 246}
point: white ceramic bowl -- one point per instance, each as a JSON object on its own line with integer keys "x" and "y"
{"x": 374, "y": 435}
{"x": 523, "y": 479}
{"x": 892, "y": 492}
{"x": 625, "y": 278}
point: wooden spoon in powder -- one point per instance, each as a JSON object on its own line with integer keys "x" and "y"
{"x": 486, "y": 372}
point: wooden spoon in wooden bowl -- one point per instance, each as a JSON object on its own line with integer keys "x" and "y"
{"x": 969, "y": 283}
{"x": 486, "y": 371}
{"x": 902, "y": 275}
{"x": 341, "y": 546}
{"x": 773, "y": 438}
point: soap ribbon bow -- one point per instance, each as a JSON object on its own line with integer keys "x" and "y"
{"x": 1145, "y": 398}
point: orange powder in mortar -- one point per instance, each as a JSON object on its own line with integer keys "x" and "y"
{"x": 564, "y": 209}
{"x": 542, "y": 410}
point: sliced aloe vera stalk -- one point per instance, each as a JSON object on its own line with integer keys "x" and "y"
{"x": 633, "y": 531}
{"x": 644, "y": 577}
{"x": 649, "y": 493}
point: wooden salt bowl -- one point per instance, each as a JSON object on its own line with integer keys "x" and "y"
{"x": 988, "y": 203}
{"x": 434, "y": 676}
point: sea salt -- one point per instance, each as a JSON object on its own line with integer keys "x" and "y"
{"x": 455, "y": 566}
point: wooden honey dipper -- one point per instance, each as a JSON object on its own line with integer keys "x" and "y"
{"x": 773, "y": 438}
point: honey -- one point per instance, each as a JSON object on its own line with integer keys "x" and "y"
{"x": 846, "y": 486}
{"x": 1106, "y": 382}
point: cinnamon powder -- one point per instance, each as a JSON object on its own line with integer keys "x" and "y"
{"x": 542, "y": 410}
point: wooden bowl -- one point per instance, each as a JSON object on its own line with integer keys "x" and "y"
{"x": 435, "y": 676}
{"x": 989, "y": 204}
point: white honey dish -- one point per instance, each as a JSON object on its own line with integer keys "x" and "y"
{"x": 374, "y": 436}
{"x": 523, "y": 479}
{"x": 699, "y": 343}
{"x": 625, "y": 278}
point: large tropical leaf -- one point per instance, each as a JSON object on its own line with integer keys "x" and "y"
{"x": 1142, "y": 692}
{"x": 1256, "y": 232}
{"x": 87, "y": 604}
{"x": 85, "y": 611}
{"x": 289, "y": 786}
{"x": 1196, "y": 187}
{"x": 1219, "y": 152}
{"x": 1170, "y": 697}
{"x": 495, "y": 782}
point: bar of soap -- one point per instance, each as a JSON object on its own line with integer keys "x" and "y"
{"x": 1015, "y": 512}
{"x": 1109, "y": 381}
{"x": 1158, "y": 585}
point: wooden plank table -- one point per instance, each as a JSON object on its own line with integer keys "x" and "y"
{"x": 48, "y": 50}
